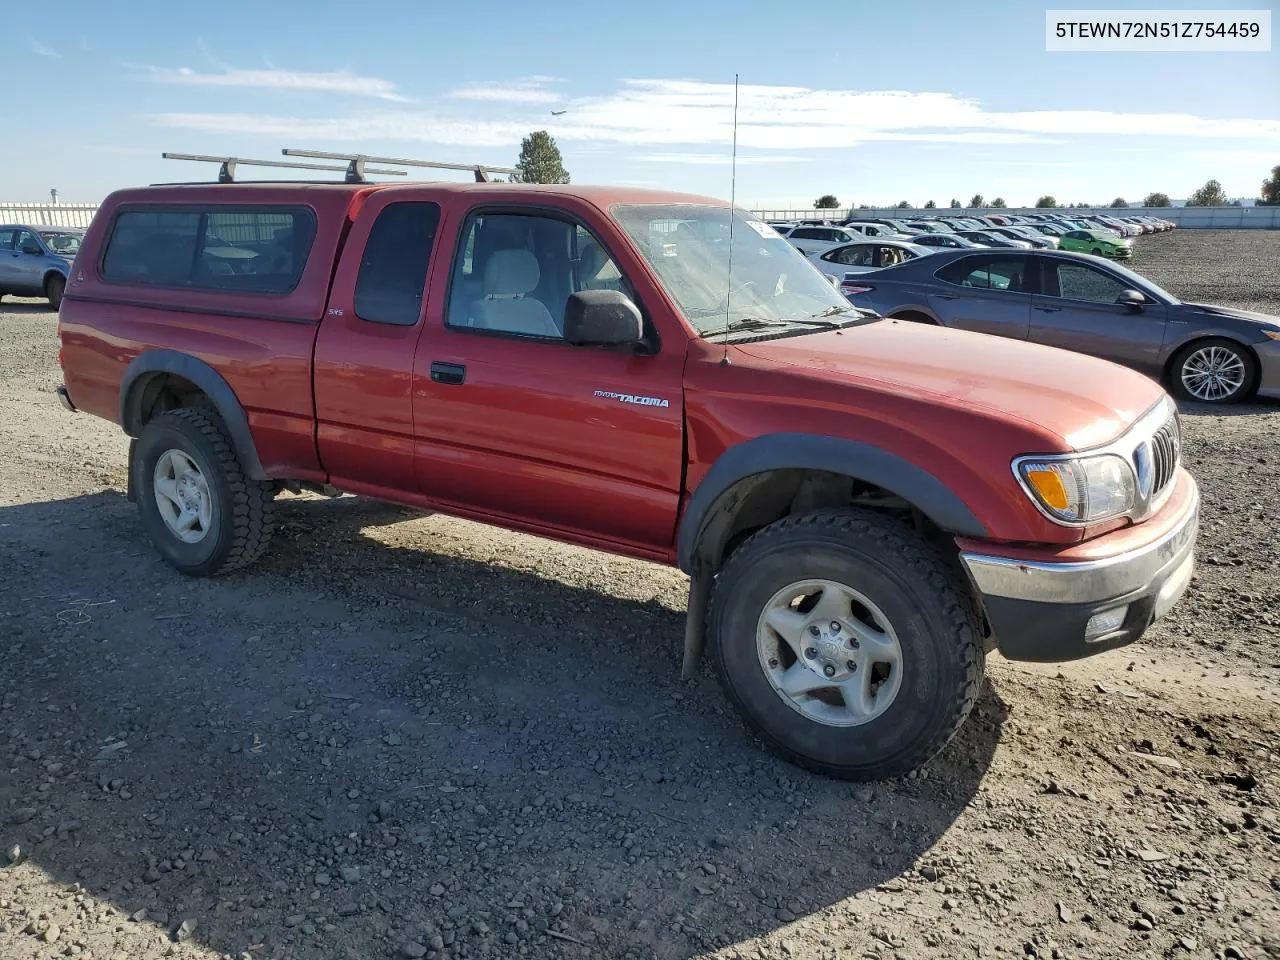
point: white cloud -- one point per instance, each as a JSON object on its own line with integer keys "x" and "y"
{"x": 339, "y": 81}
{"x": 693, "y": 113}
{"x": 41, "y": 49}
{"x": 521, "y": 90}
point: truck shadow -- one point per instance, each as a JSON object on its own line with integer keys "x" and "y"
{"x": 371, "y": 739}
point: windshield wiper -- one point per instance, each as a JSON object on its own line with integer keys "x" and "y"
{"x": 749, "y": 323}
{"x": 765, "y": 323}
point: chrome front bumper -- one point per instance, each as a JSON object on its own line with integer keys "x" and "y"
{"x": 1042, "y": 611}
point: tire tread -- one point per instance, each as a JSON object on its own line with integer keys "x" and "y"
{"x": 251, "y": 513}
{"x": 912, "y": 557}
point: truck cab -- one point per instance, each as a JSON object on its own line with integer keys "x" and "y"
{"x": 865, "y": 507}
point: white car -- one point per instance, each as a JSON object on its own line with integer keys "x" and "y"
{"x": 868, "y": 229}
{"x": 810, "y": 240}
{"x": 864, "y": 255}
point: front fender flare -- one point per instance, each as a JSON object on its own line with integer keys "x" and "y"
{"x": 802, "y": 451}
{"x": 224, "y": 400}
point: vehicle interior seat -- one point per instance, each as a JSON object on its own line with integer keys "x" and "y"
{"x": 509, "y": 277}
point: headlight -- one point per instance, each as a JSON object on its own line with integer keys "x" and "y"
{"x": 1081, "y": 490}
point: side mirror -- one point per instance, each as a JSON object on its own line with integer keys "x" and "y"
{"x": 32, "y": 249}
{"x": 1132, "y": 299}
{"x": 602, "y": 318}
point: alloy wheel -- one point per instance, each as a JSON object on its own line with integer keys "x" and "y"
{"x": 829, "y": 653}
{"x": 1213, "y": 373}
{"x": 182, "y": 496}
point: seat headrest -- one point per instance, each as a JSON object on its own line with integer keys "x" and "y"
{"x": 590, "y": 259}
{"x": 510, "y": 273}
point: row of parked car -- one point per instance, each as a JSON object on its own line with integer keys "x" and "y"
{"x": 1097, "y": 234}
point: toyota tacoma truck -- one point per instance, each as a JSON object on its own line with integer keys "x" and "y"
{"x": 865, "y": 507}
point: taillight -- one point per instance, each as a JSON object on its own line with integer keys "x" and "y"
{"x": 854, "y": 289}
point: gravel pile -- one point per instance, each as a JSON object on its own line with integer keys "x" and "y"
{"x": 407, "y": 736}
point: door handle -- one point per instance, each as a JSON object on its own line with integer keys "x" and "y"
{"x": 1049, "y": 309}
{"x": 452, "y": 373}
{"x": 946, "y": 296}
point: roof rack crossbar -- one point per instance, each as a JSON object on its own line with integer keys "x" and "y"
{"x": 356, "y": 164}
{"x": 227, "y": 169}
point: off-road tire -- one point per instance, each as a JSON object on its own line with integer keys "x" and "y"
{"x": 54, "y": 287}
{"x": 243, "y": 509}
{"x": 934, "y": 616}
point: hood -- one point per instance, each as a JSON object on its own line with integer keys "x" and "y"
{"x": 1264, "y": 319}
{"x": 1071, "y": 399}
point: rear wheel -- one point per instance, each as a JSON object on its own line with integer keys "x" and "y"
{"x": 846, "y": 643}
{"x": 53, "y": 289}
{"x": 1214, "y": 371}
{"x": 203, "y": 514}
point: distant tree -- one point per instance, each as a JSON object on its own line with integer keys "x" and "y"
{"x": 977, "y": 200}
{"x": 1119, "y": 203}
{"x": 827, "y": 201}
{"x": 955, "y": 204}
{"x": 1046, "y": 202}
{"x": 998, "y": 203}
{"x": 864, "y": 206}
{"x": 904, "y": 204}
{"x": 1157, "y": 200}
{"x": 540, "y": 160}
{"x": 1271, "y": 189}
{"x": 1210, "y": 195}
{"x": 1235, "y": 203}
{"x": 930, "y": 205}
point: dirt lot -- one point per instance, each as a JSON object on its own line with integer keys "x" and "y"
{"x": 416, "y": 736}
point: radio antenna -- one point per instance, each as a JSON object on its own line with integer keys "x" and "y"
{"x": 733, "y": 194}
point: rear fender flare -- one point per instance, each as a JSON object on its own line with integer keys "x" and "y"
{"x": 153, "y": 362}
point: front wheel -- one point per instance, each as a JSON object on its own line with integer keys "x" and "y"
{"x": 203, "y": 514}
{"x": 845, "y": 642}
{"x": 54, "y": 287}
{"x": 1214, "y": 371}
{"x": 1096, "y": 252}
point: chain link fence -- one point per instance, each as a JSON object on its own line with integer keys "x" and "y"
{"x": 48, "y": 214}
{"x": 1217, "y": 218}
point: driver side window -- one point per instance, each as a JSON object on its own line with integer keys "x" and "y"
{"x": 514, "y": 274}
{"x": 1078, "y": 282}
{"x": 27, "y": 241}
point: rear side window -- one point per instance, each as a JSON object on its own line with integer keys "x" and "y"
{"x": 393, "y": 271}
{"x": 986, "y": 273}
{"x": 259, "y": 250}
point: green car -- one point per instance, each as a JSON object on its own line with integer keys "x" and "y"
{"x": 1100, "y": 243}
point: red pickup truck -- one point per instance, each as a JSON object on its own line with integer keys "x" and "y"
{"x": 865, "y": 507}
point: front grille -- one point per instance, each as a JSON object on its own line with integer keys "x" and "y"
{"x": 1165, "y": 449}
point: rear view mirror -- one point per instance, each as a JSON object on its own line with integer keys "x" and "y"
{"x": 602, "y": 318}
{"x": 1132, "y": 299}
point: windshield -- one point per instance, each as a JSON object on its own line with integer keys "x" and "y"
{"x": 687, "y": 245}
{"x": 63, "y": 244}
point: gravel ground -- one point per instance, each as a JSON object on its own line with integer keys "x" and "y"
{"x": 409, "y": 736}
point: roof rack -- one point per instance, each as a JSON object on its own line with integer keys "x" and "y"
{"x": 227, "y": 170}
{"x": 356, "y": 164}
